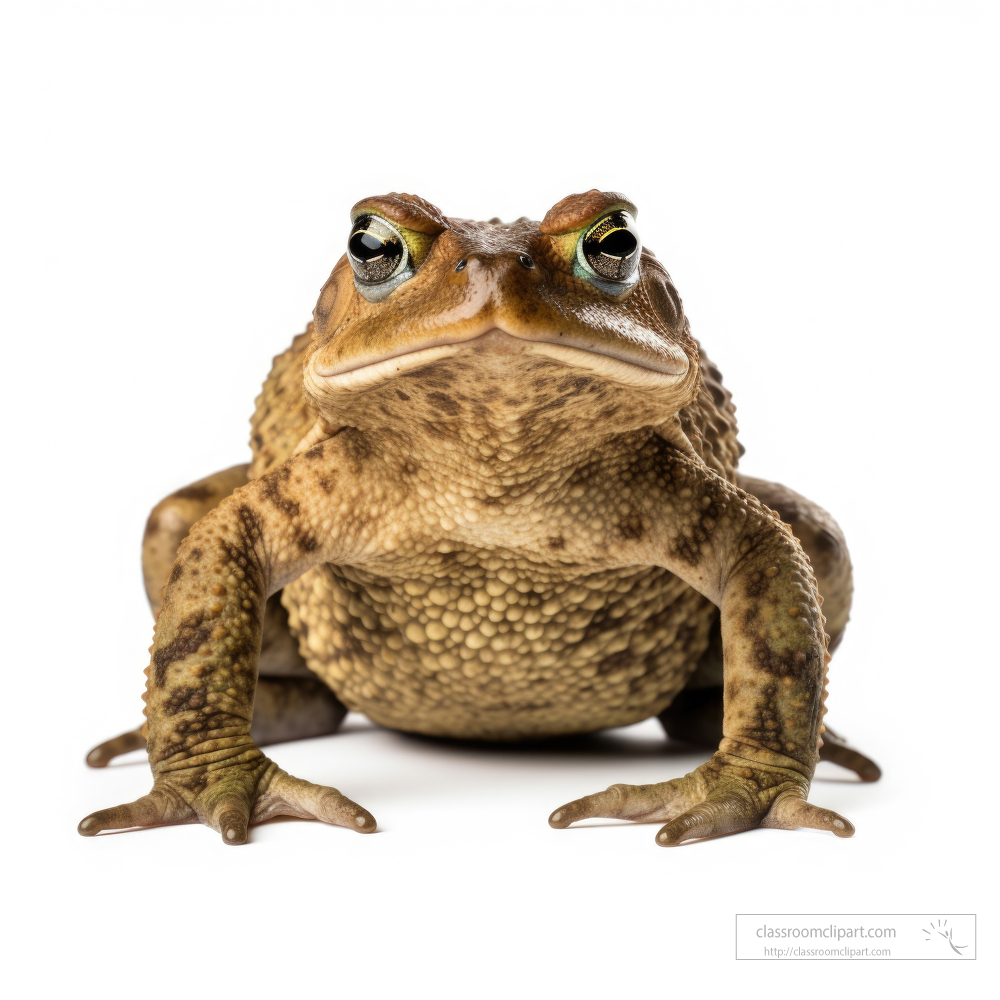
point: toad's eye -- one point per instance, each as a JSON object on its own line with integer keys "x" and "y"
{"x": 610, "y": 250}
{"x": 376, "y": 251}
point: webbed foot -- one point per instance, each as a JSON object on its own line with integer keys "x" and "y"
{"x": 727, "y": 794}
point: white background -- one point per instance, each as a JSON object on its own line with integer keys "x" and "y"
{"x": 819, "y": 179}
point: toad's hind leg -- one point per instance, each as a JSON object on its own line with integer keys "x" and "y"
{"x": 695, "y": 715}
{"x": 294, "y": 708}
{"x": 291, "y": 702}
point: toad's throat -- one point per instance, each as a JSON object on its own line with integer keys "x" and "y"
{"x": 625, "y": 362}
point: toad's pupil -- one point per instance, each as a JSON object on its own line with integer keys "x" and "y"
{"x": 617, "y": 243}
{"x": 367, "y": 246}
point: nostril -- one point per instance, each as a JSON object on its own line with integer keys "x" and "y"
{"x": 526, "y": 261}
{"x": 460, "y": 266}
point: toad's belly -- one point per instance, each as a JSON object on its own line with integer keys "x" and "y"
{"x": 489, "y": 651}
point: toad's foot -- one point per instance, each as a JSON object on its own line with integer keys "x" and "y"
{"x": 725, "y": 795}
{"x": 229, "y": 799}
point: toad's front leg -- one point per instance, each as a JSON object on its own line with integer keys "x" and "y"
{"x": 737, "y": 553}
{"x": 203, "y": 672}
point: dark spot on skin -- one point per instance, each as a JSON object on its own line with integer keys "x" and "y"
{"x": 175, "y": 574}
{"x": 757, "y": 585}
{"x": 749, "y": 622}
{"x": 688, "y": 550}
{"x": 184, "y": 699}
{"x": 792, "y": 664}
{"x": 443, "y": 403}
{"x": 308, "y": 543}
{"x": 316, "y": 451}
{"x": 357, "y": 446}
{"x": 191, "y": 634}
{"x": 431, "y": 376}
{"x": 557, "y": 542}
{"x": 271, "y": 489}
{"x": 197, "y": 782}
{"x": 194, "y": 493}
{"x": 631, "y": 527}
{"x": 568, "y": 389}
{"x": 194, "y": 555}
{"x": 250, "y": 522}
{"x": 326, "y": 483}
{"x": 258, "y": 442}
{"x": 402, "y": 395}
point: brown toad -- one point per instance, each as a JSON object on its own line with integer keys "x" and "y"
{"x": 494, "y": 494}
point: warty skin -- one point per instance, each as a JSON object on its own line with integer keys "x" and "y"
{"x": 498, "y": 501}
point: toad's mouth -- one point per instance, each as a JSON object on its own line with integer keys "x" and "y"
{"x": 625, "y": 362}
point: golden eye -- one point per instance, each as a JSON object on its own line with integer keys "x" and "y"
{"x": 612, "y": 247}
{"x": 376, "y": 251}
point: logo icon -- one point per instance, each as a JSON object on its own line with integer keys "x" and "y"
{"x": 941, "y": 929}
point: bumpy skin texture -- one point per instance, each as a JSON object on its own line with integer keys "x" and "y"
{"x": 498, "y": 503}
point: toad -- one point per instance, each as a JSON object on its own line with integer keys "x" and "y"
{"x": 494, "y": 494}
